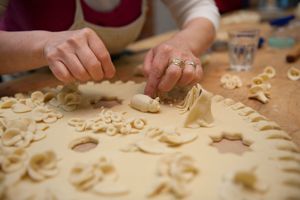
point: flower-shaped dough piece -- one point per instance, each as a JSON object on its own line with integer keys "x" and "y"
{"x": 231, "y": 81}
{"x": 259, "y": 92}
{"x": 37, "y": 97}
{"x": 269, "y": 71}
{"x": 16, "y": 138}
{"x": 11, "y": 163}
{"x": 44, "y": 114}
{"x": 175, "y": 172}
{"x": 84, "y": 176}
{"x": 293, "y": 74}
{"x": 42, "y": 166}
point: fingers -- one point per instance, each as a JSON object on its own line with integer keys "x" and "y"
{"x": 75, "y": 67}
{"x": 61, "y": 72}
{"x": 158, "y": 66}
{"x": 90, "y": 62}
{"x": 188, "y": 75}
{"x": 198, "y": 74}
{"x": 102, "y": 55}
{"x": 147, "y": 63}
{"x": 171, "y": 77}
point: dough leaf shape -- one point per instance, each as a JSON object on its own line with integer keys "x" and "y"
{"x": 200, "y": 114}
{"x": 152, "y": 146}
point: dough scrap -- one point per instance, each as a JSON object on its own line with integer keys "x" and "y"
{"x": 229, "y": 81}
{"x": 21, "y": 108}
{"x": 42, "y": 166}
{"x": 293, "y": 74}
{"x": 145, "y": 103}
{"x": 200, "y": 114}
{"x": 7, "y": 102}
{"x": 175, "y": 171}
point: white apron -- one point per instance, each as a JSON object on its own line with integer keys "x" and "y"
{"x": 114, "y": 38}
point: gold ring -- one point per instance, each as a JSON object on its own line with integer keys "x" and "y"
{"x": 177, "y": 61}
{"x": 190, "y": 62}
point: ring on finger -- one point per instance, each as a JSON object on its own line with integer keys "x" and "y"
{"x": 190, "y": 62}
{"x": 177, "y": 61}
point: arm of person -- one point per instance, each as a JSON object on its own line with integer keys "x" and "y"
{"x": 199, "y": 20}
{"x": 71, "y": 55}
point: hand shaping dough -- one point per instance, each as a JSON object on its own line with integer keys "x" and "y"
{"x": 200, "y": 114}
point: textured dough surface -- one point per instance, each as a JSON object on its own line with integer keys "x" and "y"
{"x": 273, "y": 157}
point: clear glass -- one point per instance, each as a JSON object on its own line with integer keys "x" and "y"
{"x": 242, "y": 47}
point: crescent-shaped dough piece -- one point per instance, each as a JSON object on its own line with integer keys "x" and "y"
{"x": 153, "y": 147}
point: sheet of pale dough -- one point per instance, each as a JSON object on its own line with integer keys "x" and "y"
{"x": 137, "y": 170}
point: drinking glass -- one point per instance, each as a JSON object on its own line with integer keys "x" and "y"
{"x": 242, "y": 48}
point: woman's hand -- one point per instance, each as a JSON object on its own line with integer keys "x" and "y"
{"x": 170, "y": 63}
{"x": 78, "y": 55}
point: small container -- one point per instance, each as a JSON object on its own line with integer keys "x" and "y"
{"x": 242, "y": 46}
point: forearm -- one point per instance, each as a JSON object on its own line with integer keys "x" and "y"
{"x": 197, "y": 34}
{"x": 22, "y": 51}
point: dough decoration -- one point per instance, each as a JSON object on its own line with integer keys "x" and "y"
{"x": 174, "y": 172}
{"x": 7, "y": 102}
{"x": 260, "y": 93}
{"x": 260, "y": 88}
{"x": 19, "y": 133}
{"x": 277, "y": 164}
{"x": 145, "y": 103}
{"x": 293, "y": 74}
{"x": 100, "y": 178}
{"x": 42, "y": 166}
{"x": 190, "y": 98}
{"x": 200, "y": 114}
{"x": 12, "y": 160}
{"x": 269, "y": 71}
{"x": 242, "y": 185}
{"x": 67, "y": 98}
{"x": 110, "y": 123}
{"x": 230, "y": 82}
{"x": 157, "y": 141}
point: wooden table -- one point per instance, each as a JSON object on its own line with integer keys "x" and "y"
{"x": 283, "y": 107}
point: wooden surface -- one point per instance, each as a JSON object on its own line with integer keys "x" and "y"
{"x": 283, "y": 107}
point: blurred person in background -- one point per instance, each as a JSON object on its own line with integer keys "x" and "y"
{"x": 75, "y": 38}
